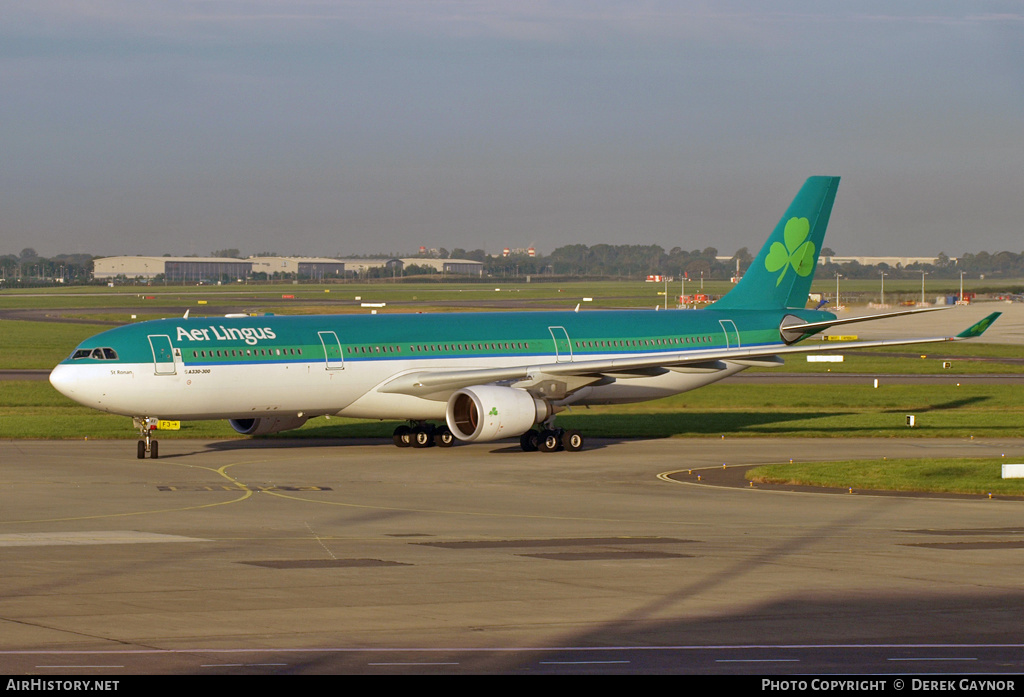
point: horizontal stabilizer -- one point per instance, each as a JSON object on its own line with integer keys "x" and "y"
{"x": 978, "y": 328}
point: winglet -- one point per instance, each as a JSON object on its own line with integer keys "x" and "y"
{"x": 978, "y": 328}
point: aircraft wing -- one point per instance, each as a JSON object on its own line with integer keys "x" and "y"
{"x": 800, "y": 328}
{"x": 440, "y": 384}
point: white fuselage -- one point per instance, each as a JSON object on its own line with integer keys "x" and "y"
{"x": 310, "y": 388}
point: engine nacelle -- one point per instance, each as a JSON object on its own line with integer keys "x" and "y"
{"x": 264, "y": 425}
{"x": 488, "y": 412}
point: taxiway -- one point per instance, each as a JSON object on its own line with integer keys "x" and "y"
{"x": 354, "y": 557}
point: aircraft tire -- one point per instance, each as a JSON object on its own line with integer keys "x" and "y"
{"x": 153, "y": 450}
{"x": 444, "y": 438}
{"x": 142, "y": 450}
{"x": 402, "y": 436}
{"x": 572, "y": 440}
{"x": 422, "y": 437}
{"x": 550, "y": 441}
{"x": 529, "y": 441}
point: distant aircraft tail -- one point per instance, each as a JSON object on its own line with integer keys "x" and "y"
{"x": 781, "y": 275}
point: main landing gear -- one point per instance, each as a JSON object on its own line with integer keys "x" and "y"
{"x": 423, "y": 435}
{"x": 546, "y": 440}
{"x": 147, "y": 444}
{"x": 549, "y": 440}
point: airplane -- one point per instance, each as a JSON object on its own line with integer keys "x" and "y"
{"x": 483, "y": 376}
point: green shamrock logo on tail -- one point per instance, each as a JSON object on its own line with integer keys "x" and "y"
{"x": 798, "y": 251}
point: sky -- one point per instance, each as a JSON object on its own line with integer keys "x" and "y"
{"x": 344, "y": 127}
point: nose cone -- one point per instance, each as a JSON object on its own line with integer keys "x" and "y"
{"x": 63, "y": 380}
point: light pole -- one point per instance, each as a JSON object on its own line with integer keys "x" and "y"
{"x": 883, "y": 287}
{"x": 961, "y": 298}
{"x": 923, "y": 274}
{"x": 838, "y": 276}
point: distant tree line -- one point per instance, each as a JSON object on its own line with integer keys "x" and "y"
{"x": 994, "y": 266}
{"x": 30, "y": 267}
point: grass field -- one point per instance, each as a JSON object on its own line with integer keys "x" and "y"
{"x": 541, "y": 293}
{"x": 33, "y": 409}
{"x": 953, "y": 475}
{"x": 348, "y": 296}
{"x": 967, "y": 357}
{"x": 28, "y": 345}
{"x": 722, "y": 408}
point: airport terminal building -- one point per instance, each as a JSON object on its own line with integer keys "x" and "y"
{"x": 298, "y": 267}
{"x": 191, "y": 269}
{"x": 213, "y": 269}
{"x": 394, "y": 266}
{"x": 461, "y": 267}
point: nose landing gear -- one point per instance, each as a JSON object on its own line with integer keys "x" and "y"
{"x": 147, "y": 444}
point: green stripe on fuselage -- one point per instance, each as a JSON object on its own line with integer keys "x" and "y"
{"x": 520, "y": 335}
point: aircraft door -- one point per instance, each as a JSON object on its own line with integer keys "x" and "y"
{"x": 732, "y": 334}
{"x": 163, "y": 354}
{"x": 332, "y": 351}
{"x": 563, "y": 347}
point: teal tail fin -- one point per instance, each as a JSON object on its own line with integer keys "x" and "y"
{"x": 781, "y": 275}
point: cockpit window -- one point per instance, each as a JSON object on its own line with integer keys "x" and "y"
{"x": 104, "y": 353}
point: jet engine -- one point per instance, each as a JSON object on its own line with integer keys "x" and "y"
{"x": 264, "y": 425}
{"x": 489, "y": 412}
